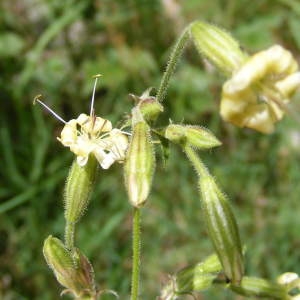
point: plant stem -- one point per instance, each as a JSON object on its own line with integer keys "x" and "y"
{"x": 136, "y": 248}
{"x": 69, "y": 235}
{"x": 196, "y": 161}
{"x": 174, "y": 57}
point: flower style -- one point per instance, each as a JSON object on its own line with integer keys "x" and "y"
{"x": 92, "y": 135}
{"x": 256, "y": 95}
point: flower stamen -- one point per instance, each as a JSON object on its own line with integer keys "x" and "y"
{"x": 93, "y": 96}
{"x": 37, "y": 99}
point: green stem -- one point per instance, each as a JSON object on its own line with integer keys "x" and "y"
{"x": 136, "y": 248}
{"x": 69, "y": 235}
{"x": 174, "y": 57}
{"x": 196, "y": 161}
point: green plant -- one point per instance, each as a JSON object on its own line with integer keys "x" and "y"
{"x": 254, "y": 97}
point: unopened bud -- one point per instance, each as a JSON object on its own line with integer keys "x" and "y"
{"x": 73, "y": 271}
{"x": 222, "y": 228}
{"x": 193, "y": 278}
{"x": 258, "y": 287}
{"x": 61, "y": 262}
{"x": 140, "y": 161}
{"x": 194, "y": 136}
{"x": 150, "y": 108}
{"x": 78, "y": 189}
{"x": 218, "y": 46}
{"x": 198, "y": 277}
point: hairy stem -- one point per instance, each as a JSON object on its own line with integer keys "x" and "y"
{"x": 69, "y": 235}
{"x": 136, "y": 247}
{"x": 174, "y": 57}
{"x": 196, "y": 161}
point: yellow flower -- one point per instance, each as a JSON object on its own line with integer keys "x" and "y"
{"x": 256, "y": 94}
{"x": 91, "y": 135}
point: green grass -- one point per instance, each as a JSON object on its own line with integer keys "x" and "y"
{"x": 54, "y": 48}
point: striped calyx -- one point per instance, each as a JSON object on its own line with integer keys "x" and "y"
{"x": 140, "y": 161}
{"x": 218, "y": 46}
{"x": 78, "y": 189}
{"x": 222, "y": 228}
{"x": 194, "y": 136}
{"x": 72, "y": 270}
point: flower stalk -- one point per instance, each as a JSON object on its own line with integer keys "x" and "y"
{"x": 171, "y": 66}
{"x": 136, "y": 255}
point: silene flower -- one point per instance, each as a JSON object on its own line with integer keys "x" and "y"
{"x": 261, "y": 85}
{"x": 92, "y": 135}
{"x": 257, "y": 93}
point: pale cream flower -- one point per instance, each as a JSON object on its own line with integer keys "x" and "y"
{"x": 256, "y": 94}
{"x": 94, "y": 135}
{"x": 90, "y": 135}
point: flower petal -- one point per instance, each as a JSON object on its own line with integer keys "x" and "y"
{"x": 68, "y": 134}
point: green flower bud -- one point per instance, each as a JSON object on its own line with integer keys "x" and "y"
{"x": 192, "y": 278}
{"x": 140, "y": 161}
{"x": 78, "y": 189}
{"x": 60, "y": 261}
{"x": 222, "y": 228}
{"x": 258, "y": 287}
{"x": 74, "y": 272}
{"x": 150, "y": 108}
{"x": 218, "y": 46}
{"x": 194, "y": 136}
{"x": 198, "y": 277}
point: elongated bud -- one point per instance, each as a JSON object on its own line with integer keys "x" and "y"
{"x": 218, "y": 46}
{"x": 74, "y": 272}
{"x": 193, "y": 278}
{"x": 194, "y": 136}
{"x": 60, "y": 261}
{"x": 140, "y": 161}
{"x": 258, "y": 287}
{"x": 78, "y": 189}
{"x": 222, "y": 228}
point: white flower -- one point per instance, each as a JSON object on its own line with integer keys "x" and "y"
{"x": 94, "y": 135}
{"x": 257, "y": 92}
{"x": 91, "y": 135}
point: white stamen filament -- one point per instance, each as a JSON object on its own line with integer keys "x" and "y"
{"x": 94, "y": 91}
{"x": 49, "y": 109}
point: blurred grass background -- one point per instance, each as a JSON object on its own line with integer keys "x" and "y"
{"x": 54, "y": 47}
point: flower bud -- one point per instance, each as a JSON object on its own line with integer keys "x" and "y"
{"x": 150, "y": 108}
{"x": 60, "y": 261}
{"x": 140, "y": 161}
{"x": 217, "y": 46}
{"x": 194, "y": 136}
{"x": 192, "y": 278}
{"x": 78, "y": 189}
{"x": 198, "y": 277}
{"x": 258, "y": 287}
{"x": 222, "y": 229}
{"x": 74, "y": 272}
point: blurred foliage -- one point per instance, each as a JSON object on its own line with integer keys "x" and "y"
{"x": 54, "y": 47}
